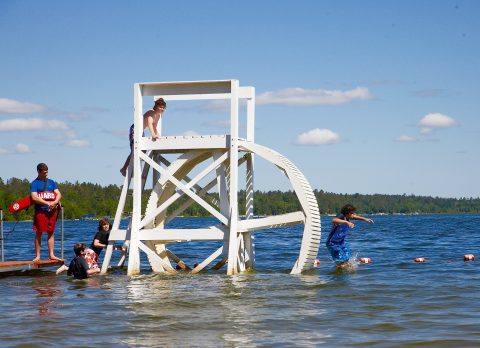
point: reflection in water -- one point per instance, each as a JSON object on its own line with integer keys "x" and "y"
{"x": 47, "y": 295}
{"x": 240, "y": 312}
{"x": 149, "y": 300}
{"x": 243, "y": 310}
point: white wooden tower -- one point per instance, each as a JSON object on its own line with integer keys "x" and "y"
{"x": 220, "y": 156}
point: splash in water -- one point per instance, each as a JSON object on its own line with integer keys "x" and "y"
{"x": 350, "y": 265}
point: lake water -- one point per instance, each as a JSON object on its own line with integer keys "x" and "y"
{"x": 391, "y": 302}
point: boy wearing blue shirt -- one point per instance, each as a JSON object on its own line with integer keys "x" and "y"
{"x": 46, "y": 196}
{"x": 336, "y": 244}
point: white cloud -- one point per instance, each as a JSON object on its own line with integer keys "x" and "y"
{"x": 406, "y": 139}
{"x": 294, "y": 97}
{"x": 425, "y": 130}
{"x": 17, "y": 149}
{"x": 22, "y": 148}
{"x": 437, "y": 120}
{"x": 310, "y": 97}
{"x": 77, "y": 143}
{"x": 11, "y": 106}
{"x": 29, "y": 124}
{"x": 427, "y": 125}
{"x": 318, "y": 136}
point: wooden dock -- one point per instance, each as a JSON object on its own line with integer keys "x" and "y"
{"x": 10, "y": 266}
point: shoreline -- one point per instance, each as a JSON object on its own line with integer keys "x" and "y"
{"x": 261, "y": 216}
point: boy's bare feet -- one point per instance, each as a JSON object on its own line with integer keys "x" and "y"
{"x": 53, "y": 257}
{"x": 36, "y": 259}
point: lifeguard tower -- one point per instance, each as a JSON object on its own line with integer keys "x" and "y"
{"x": 216, "y": 155}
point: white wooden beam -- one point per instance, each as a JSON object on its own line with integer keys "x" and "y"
{"x": 167, "y": 235}
{"x": 244, "y": 93}
{"x": 134, "y": 255}
{"x": 153, "y": 255}
{"x": 187, "y": 191}
{"x": 272, "y": 221}
{"x": 185, "y": 142}
{"x": 118, "y": 217}
{"x": 185, "y": 205}
{"x": 217, "y": 162}
{"x": 233, "y": 191}
{"x": 187, "y": 88}
{"x": 249, "y": 237}
{"x": 185, "y": 235}
{"x": 208, "y": 260}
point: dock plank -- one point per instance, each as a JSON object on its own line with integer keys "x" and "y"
{"x": 20, "y": 265}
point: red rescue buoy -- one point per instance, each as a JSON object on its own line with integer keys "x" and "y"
{"x": 469, "y": 257}
{"x": 316, "y": 263}
{"x": 420, "y": 259}
{"x": 365, "y": 260}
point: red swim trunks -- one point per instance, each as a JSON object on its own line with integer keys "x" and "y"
{"x": 44, "y": 221}
{"x": 92, "y": 259}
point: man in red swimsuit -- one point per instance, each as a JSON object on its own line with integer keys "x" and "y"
{"x": 46, "y": 196}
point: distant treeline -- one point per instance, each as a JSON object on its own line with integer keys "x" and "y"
{"x": 80, "y": 199}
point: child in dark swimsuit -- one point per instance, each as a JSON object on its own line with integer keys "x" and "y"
{"x": 99, "y": 242}
{"x": 78, "y": 266}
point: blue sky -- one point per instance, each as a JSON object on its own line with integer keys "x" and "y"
{"x": 363, "y": 96}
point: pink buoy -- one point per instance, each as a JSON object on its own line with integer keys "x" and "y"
{"x": 469, "y": 257}
{"x": 316, "y": 263}
{"x": 365, "y": 260}
{"x": 420, "y": 259}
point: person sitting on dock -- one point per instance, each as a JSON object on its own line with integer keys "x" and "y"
{"x": 78, "y": 266}
{"x": 46, "y": 196}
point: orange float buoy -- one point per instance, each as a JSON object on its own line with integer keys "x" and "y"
{"x": 365, "y": 260}
{"x": 316, "y": 263}
{"x": 469, "y": 257}
{"x": 420, "y": 259}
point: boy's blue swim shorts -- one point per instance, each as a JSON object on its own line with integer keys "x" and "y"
{"x": 340, "y": 252}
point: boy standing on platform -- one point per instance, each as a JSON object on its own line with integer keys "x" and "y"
{"x": 46, "y": 196}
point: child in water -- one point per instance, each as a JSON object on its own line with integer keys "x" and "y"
{"x": 78, "y": 266}
{"x": 336, "y": 244}
{"x": 99, "y": 242}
